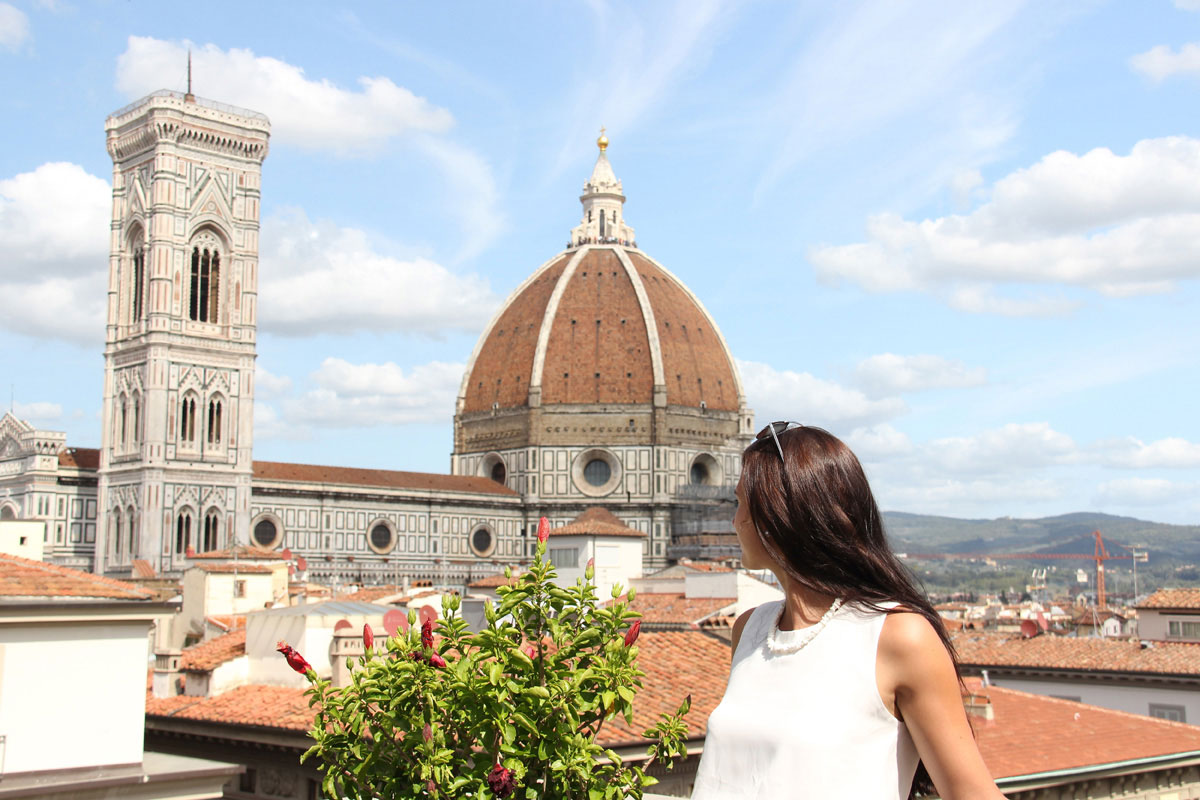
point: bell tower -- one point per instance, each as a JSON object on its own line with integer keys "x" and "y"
{"x": 175, "y": 457}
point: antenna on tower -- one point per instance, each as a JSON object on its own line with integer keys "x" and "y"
{"x": 189, "y": 97}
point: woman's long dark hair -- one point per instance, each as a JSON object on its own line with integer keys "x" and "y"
{"x": 818, "y": 520}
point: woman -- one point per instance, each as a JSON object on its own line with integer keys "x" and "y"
{"x": 848, "y": 687}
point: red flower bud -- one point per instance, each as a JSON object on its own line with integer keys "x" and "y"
{"x": 529, "y": 651}
{"x": 368, "y": 637}
{"x": 632, "y": 634}
{"x": 427, "y": 633}
{"x": 431, "y": 787}
{"x": 543, "y": 529}
{"x": 294, "y": 659}
{"x": 427, "y": 732}
{"x": 501, "y": 781}
{"x": 437, "y": 660}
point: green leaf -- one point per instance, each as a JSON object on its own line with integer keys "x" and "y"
{"x": 510, "y": 733}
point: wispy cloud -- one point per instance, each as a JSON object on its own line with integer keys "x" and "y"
{"x": 14, "y": 28}
{"x": 1161, "y": 62}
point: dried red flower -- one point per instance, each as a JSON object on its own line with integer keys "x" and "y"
{"x": 437, "y": 660}
{"x": 427, "y": 633}
{"x": 543, "y": 529}
{"x": 631, "y": 635}
{"x": 368, "y": 637}
{"x": 501, "y": 781}
{"x": 294, "y": 659}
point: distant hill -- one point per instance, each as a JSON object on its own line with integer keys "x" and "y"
{"x": 1068, "y": 533}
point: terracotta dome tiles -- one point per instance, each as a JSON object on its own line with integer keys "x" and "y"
{"x": 502, "y": 369}
{"x": 598, "y": 351}
{"x": 695, "y": 363}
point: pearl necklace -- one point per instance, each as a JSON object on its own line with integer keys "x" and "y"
{"x": 775, "y": 647}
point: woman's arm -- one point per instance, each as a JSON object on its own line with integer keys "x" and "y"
{"x": 917, "y": 682}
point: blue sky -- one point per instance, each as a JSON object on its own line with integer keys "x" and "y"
{"x": 964, "y": 237}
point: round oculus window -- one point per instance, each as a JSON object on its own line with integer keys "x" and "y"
{"x": 597, "y": 472}
{"x": 381, "y": 537}
{"x": 265, "y": 533}
{"x": 481, "y": 541}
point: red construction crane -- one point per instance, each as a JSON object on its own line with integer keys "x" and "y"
{"x": 1100, "y": 555}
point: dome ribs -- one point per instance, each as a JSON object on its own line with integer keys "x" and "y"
{"x": 697, "y": 368}
{"x": 597, "y": 349}
{"x": 503, "y": 368}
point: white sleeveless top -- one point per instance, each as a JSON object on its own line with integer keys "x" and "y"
{"x": 808, "y": 724}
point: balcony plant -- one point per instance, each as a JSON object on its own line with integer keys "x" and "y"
{"x": 513, "y": 710}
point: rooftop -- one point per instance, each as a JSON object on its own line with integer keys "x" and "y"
{"x": 1032, "y": 734}
{"x": 1082, "y": 654}
{"x": 1173, "y": 598}
{"x": 674, "y": 608}
{"x": 596, "y": 521}
{"x": 329, "y": 608}
{"x": 382, "y": 478}
{"x": 207, "y": 656}
{"x": 80, "y": 458}
{"x": 239, "y": 552}
{"x": 22, "y": 577}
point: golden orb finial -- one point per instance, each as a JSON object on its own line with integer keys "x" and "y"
{"x": 602, "y": 142}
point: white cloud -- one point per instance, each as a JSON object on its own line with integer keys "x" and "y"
{"x": 267, "y": 384}
{"x": 1115, "y": 224}
{"x": 963, "y": 185}
{"x": 955, "y": 497}
{"x": 1188, "y": 5}
{"x": 1012, "y": 447}
{"x": 14, "y": 28}
{"x": 366, "y": 395}
{"x": 889, "y": 374}
{"x": 879, "y": 442}
{"x": 37, "y": 412}
{"x": 478, "y": 207}
{"x": 319, "y": 277}
{"x": 1172, "y": 452}
{"x": 310, "y": 113}
{"x": 1143, "y": 492}
{"x": 1161, "y": 62}
{"x": 54, "y": 224}
{"x": 784, "y": 394}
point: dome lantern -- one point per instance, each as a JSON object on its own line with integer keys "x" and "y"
{"x": 603, "y": 205}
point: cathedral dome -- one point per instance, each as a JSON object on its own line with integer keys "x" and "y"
{"x": 601, "y": 323}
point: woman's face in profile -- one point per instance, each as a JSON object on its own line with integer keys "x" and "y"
{"x": 754, "y": 555}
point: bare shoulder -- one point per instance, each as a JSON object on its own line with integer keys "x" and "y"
{"x": 738, "y": 626}
{"x": 911, "y": 650}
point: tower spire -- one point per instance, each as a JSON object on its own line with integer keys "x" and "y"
{"x": 603, "y": 205}
{"x": 189, "y": 97}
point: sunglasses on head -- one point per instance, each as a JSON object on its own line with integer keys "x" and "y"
{"x": 776, "y": 428}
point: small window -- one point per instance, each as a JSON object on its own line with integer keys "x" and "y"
{"x": 239, "y": 588}
{"x": 499, "y": 474}
{"x": 597, "y": 472}
{"x": 482, "y": 540}
{"x": 381, "y": 537}
{"x": 266, "y": 533}
{"x": 1173, "y": 713}
{"x": 1177, "y": 629}
{"x": 564, "y": 556}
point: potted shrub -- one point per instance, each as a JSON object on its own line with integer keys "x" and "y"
{"x": 514, "y": 710}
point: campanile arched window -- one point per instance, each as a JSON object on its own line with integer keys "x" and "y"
{"x": 183, "y": 531}
{"x": 187, "y": 419}
{"x": 213, "y": 428}
{"x": 212, "y": 524}
{"x": 205, "y": 284}
{"x": 137, "y": 277}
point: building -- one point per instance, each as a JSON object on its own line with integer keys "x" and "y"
{"x": 72, "y": 721}
{"x": 601, "y": 382}
{"x": 1170, "y": 615}
{"x": 1156, "y": 679}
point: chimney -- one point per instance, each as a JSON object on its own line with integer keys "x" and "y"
{"x": 167, "y": 675}
{"x": 344, "y": 649}
{"x": 979, "y": 706}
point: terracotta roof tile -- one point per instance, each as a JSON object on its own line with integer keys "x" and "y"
{"x": 243, "y": 552}
{"x": 80, "y": 458}
{"x": 244, "y": 568}
{"x": 1032, "y": 733}
{"x": 492, "y": 581}
{"x": 704, "y": 566}
{"x": 674, "y": 608}
{"x": 383, "y": 478}
{"x": 1173, "y": 598}
{"x": 596, "y": 521}
{"x": 142, "y": 569}
{"x": 261, "y": 706}
{"x": 21, "y": 577}
{"x": 209, "y": 655}
{"x": 372, "y": 594}
{"x": 226, "y": 622}
{"x": 987, "y": 649}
